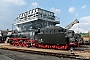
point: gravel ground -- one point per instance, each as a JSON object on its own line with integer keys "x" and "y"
{"x": 83, "y": 48}
{"x": 14, "y": 55}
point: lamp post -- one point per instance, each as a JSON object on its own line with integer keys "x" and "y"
{"x": 12, "y": 27}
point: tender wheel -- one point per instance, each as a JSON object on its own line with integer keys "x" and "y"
{"x": 10, "y": 42}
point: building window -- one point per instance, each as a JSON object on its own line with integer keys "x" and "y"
{"x": 32, "y": 11}
{"x": 54, "y": 31}
{"x": 50, "y": 31}
{"x": 58, "y": 30}
{"x": 41, "y": 15}
{"x": 46, "y": 31}
{"x": 33, "y": 15}
{"x": 43, "y": 32}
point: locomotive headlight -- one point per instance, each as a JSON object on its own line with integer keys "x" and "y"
{"x": 41, "y": 40}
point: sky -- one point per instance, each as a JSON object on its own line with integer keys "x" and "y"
{"x": 66, "y": 10}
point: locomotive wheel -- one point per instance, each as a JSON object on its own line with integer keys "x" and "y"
{"x": 10, "y": 42}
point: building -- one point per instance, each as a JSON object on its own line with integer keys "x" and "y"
{"x": 86, "y": 39}
{"x": 5, "y": 32}
{"x": 34, "y": 19}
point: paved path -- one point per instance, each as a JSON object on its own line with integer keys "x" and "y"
{"x": 3, "y": 57}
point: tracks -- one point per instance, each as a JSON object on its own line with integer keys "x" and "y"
{"x": 15, "y": 55}
{"x": 48, "y": 52}
{"x": 73, "y": 56}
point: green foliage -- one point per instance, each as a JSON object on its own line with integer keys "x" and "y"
{"x": 85, "y": 34}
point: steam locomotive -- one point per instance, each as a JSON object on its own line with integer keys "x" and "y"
{"x": 53, "y": 37}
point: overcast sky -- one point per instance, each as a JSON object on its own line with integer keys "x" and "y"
{"x": 66, "y": 10}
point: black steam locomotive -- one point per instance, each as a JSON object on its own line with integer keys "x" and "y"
{"x": 53, "y": 37}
